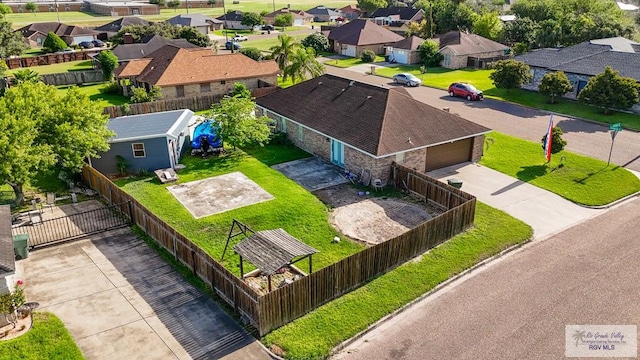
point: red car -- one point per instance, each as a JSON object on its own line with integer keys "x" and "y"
{"x": 466, "y": 91}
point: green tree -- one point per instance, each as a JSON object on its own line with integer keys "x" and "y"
{"x": 31, "y": 6}
{"x": 429, "y": 54}
{"x": 424, "y": 29}
{"x": 138, "y": 32}
{"x": 521, "y": 31}
{"x": 11, "y": 42}
{"x": 212, "y": 3}
{"x": 554, "y": 84}
{"x": 10, "y": 303}
{"x": 25, "y": 76}
{"x": 549, "y": 34}
{"x": 3, "y": 68}
{"x": 557, "y": 142}
{"x": 192, "y": 35}
{"x": 241, "y": 90}
{"x": 158, "y": 2}
{"x": 41, "y": 128}
{"x": 174, "y": 4}
{"x": 536, "y": 10}
{"x": 140, "y": 94}
{"x": 4, "y": 10}
{"x": 53, "y": 43}
{"x": 282, "y": 51}
{"x": 610, "y": 91}
{"x": 251, "y": 19}
{"x": 283, "y": 20}
{"x": 252, "y": 52}
{"x": 317, "y": 41}
{"x": 369, "y": 6}
{"x": 368, "y": 56}
{"x": 510, "y": 74}
{"x": 488, "y": 25}
{"x": 108, "y": 62}
{"x": 238, "y": 124}
{"x": 303, "y": 63}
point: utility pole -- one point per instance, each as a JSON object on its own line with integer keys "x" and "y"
{"x": 57, "y": 13}
{"x": 226, "y": 35}
{"x": 274, "y": 5}
{"x": 187, "y": 4}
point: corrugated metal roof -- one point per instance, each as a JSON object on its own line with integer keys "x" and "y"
{"x": 147, "y": 126}
{"x": 270, "y": 250}
{"x": 7, "y": 258}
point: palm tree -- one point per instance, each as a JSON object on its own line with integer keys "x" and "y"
{"x": 282, "y": 51}
{"x": 24, "y": 76}
{"x": 303, "y": 63}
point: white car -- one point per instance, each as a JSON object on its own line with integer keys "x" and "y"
{"x": 238, "y": 37}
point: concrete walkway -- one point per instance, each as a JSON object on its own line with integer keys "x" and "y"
{"x": 120, "y": 300}
{"x": 545, "y": 212}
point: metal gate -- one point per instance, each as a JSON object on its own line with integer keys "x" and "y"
{"x": 74, "y": 226}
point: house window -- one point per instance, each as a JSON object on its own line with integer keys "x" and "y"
{"x": 205, "y": 88}
{"x": 447, "y": 60}
{"x": 283, "y": 126}
{"x": 400, "y": 158}
{"x": 300, "y": 132}
{"x": 138, "y": 150}
{"x": 223, "y": 82}
{"x": 180, "y": 91}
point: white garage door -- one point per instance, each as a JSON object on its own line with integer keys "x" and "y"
{"x": 400, "y": 56}
{"x": 349, "y": 50}
{"x": 298, "y": 22}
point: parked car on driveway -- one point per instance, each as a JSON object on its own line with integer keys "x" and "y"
{"x": 98, "y": 43}
{"x": 66, "y": 51}
{"x": 229, "y": 44}
{"x": 268, "y": 27}
{"x": 239, "y": 38}
{"x": 466, "y": 91}
{"x": 406, "y": 79}
{"x": 86, "y": 45}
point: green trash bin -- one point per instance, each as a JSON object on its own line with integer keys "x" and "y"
{"x": 21, "y": 246}
{"x": 455, "y": 183}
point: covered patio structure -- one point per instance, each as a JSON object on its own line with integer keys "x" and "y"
{"x": 271, "y": 250}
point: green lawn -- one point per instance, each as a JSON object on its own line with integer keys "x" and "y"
{"x": 93, "y": 91}
{"x": 441, "y": 78}
{"x": 575, "y": 177}
{"x": 349, "y": 62}
{"x": 293, "y": 208}
{"x": 80, "y": 65}
{"x": 315, "y": 334}
{"x": 265, "y": 44}
{"x": 47, "y": 339}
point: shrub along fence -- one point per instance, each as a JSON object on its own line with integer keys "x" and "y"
{"x": 73, "y": 78}
{"x": 270, "y": 311}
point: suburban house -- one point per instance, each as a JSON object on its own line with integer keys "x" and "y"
{"x": 146, "y": 142}
{"x": 350, "y": 12}
{"x": 360, "y": 126}
{"x": 460, "y": 50}
{"x": 358, "y": 35}
{"x": 203, "y": 23}
{"x": 7, "y": 258}
{"x": 405, "y": 51}
{"x": 233, "y": 21}
{"x": 299, "y": 17}
{"x": 130, "y": 51}
{"x": 582, "y": 61}
{"x": 398, "y": 15}
{"x": 108, "y": 30}
{"x": 322, "y": 13}
{"x": 123, "y": 8}
{"x": 35, "y": 34}
{"x": 190, "y": 72}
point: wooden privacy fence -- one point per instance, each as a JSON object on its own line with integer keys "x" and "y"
{"x": 73, "y": 78}
{"x": 270, "y": 311}
{"x": 48, "y": 59}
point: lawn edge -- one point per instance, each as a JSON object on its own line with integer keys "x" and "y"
{"x": 606, "y": 206}
{"x": 439, "y": 287}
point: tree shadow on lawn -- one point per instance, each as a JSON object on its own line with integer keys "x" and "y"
{"x": 532, "y": 172}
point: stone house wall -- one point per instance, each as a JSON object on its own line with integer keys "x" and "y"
{"x": 218, "y": 87}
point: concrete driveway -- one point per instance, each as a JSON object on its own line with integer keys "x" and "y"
{"x": 120, "y": 300}
{"x": 517, "y": 307}
{"x": 545, "y": 212}
{"x": 583, "y": 137}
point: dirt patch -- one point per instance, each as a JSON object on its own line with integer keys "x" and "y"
{"x": 23, "y": 325}
{"x": 372, "y": 219}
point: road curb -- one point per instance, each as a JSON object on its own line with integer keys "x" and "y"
{"x": 439, "y": 287}
{"x": 606, "y": 206}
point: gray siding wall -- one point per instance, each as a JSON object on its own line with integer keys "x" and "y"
{"x": 157, "y": 156}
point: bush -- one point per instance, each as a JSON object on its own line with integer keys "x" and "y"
{"x": 140, "y": 95}
{"x": 252, "y": 52}
{"x": 111, "y": 88}
{"x": 368, "y": 56}
{"x": 53, "y": 43}
{"x": 429, "y": 53}
{"x": 280, "y": 138}
{"x": 283, "y": 20}
{"x": 316, "y": 41}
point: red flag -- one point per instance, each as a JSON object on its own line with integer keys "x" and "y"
{"x": 547, "y": 143}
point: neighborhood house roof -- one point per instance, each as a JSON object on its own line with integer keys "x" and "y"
{"x": 170, "y": 66}
{"x": 462, "y": 43}
{"x": 196, "y": 20}
{"x": 270, "y": 250}
{"x": 398, "y": 13}
{"x": 232, "y": 16}
{"x": 373, "y": 119}
{"x": 587, "y": 58}
{"x": 618, "y": 43}
{"x": 57, "y": 28}
{"x": 350, "y": 9}
{"x": 410, "y": 43}
{"x": 149, "y": 126}
{"x": 363, "y": 32}
{"x": 7, "y": 257}
{"x": 322, "y": 10}
{"x": 296, "y": 14}
{"x": 138, "y": 50}
{"x": 118, "y": 24}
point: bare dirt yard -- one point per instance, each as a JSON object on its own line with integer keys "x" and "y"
{"x": 370, "y": 218}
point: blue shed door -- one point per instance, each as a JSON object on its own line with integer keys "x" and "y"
{"x": 337, "y": 153}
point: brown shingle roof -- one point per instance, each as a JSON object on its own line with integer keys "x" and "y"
{"x": 410, "y": 43}
{"x": 57, "y": 28}
{"x": 462, "y": 43}
{"x": 295, "y": 14}
{"x": 171, "y": 65}
{"x": 7, "y": 258}
{"x": 363, "y": 32}
{"x": 373, "y": 119}
{"x": 131, "y": 68}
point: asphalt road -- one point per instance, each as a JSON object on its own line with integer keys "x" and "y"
{"x": 517, "y": 307}
{"x": 583, "y": 137}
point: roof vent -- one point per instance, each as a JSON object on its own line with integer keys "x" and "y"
{"x": 320, "y": 83}
{"x": 369, "y": 97}
{"x": 351, "y": 83}
{"x": 343, "y": 90}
